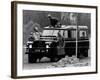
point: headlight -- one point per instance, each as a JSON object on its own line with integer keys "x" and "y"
{"x": 30, "y": 46}
{"x": 47, "y": 46}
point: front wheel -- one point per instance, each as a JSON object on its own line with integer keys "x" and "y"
{"x": 31, "y": 58}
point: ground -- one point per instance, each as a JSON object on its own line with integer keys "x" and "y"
{"x": 45, "y": 63}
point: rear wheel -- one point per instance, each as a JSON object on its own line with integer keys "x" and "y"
{"x": 52, "y": 59}
{"x": 86, "y": 53}
{"x": 83, "y": 52}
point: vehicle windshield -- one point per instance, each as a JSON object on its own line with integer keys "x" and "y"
{"x": 50, "y": 32}
{"x": 47, "y": 32}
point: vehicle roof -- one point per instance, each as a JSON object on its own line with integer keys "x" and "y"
{"x": 67, "y": 27}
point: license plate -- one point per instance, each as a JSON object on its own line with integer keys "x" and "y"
{"x": 37, "y": 50}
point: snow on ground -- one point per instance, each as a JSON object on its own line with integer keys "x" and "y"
{"x": 64, "y": 62}
{"x": 71, "y": 62}
{"x": 45, "y": 63}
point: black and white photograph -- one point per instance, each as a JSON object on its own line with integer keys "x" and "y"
{"x": 54, "y": 39}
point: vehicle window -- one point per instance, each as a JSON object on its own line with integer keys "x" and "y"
{"x": 70, "y": 33}
{"x": 66, "y": 34}
{"x": 55, "y": 32}
{"x": 61, "y": 32}
{"x": 73, "y": 35}
{"x": 82, "y": 34}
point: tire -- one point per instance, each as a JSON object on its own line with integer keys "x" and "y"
{"x": 52, "y": 59}
{"x": 83, "y": 52}
{"x": 31, "y": 58}
{"x": 86, "y": 53}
